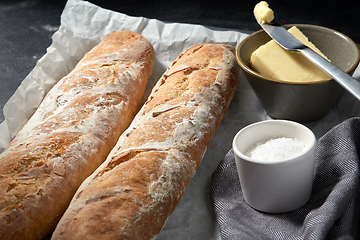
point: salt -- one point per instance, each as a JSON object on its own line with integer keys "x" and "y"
{"x": 276, "y": 149}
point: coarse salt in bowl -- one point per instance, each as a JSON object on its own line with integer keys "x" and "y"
{"x": 275, "y": 160}
{"x": 276, "y": 149}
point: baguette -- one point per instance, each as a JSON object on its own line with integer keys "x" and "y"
{"x": 132, "y": 194}
{"x": 71, "y": 133}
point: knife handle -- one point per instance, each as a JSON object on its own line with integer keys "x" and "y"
{"x": 345, "y": 80}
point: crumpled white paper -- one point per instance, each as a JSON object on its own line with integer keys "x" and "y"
{"x": 83, "y": 25}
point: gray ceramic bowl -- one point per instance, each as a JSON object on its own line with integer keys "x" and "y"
{"x": 298, "y": 101}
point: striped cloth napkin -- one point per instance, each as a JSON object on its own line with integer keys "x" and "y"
{"x": 333, "y": 211}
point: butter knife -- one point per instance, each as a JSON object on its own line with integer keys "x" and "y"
{"x": 291, "y": 43}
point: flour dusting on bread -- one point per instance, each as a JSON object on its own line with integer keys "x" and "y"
{"x": 132, "y": 194}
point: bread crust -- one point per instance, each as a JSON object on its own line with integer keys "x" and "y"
{"x": 71, "y": 134}
{"x": 132, "y": 194}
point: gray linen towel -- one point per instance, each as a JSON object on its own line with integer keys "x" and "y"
{"x": 333, "y": 211}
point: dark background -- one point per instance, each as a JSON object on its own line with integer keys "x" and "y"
{"x": 26, "y": 26}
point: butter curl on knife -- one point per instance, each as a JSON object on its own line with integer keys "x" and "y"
{"x": 263, "y": 13}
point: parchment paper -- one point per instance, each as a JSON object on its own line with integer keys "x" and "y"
{"x": 83, "y": 25}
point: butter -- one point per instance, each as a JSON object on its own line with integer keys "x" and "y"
{"x": 263, "y": 13}
{"x": 272, "y": 61}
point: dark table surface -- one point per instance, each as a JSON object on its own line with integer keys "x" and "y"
{"x": 26, "y": 26}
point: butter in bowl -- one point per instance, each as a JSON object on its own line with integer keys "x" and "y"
{"x": 287, "y": 84}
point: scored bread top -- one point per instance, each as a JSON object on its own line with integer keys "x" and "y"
{"x": 133, "y": 193}
{"x": 71, "y": 133}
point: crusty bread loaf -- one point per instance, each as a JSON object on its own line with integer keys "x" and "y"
{"x": 71, "y": 134}
{"x": 134, "y": 192}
